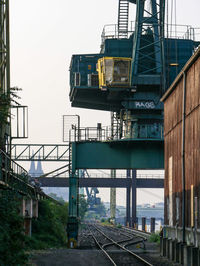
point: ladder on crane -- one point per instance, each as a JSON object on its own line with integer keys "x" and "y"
{"x": 123, "y": 18}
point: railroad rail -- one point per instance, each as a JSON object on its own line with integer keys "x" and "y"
{"x": 137, "y": 231}
{"x": 106, "y": 237}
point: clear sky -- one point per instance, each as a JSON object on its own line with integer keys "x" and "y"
{"x": 44, "y": 34}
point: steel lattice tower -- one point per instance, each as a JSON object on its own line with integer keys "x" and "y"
{"x": 148, "y": 43}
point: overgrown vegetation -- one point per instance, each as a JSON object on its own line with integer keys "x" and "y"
{"x": 119, "y": 226}
{"x": 96, "y": 212}
{"x": 12, "y": 238}
{"x": 105, "y": 221}
{"x": 49, "y": 229}
{"x": 155, "y": 238}
{"x": 83, "y": 206}
{"x": 56, "y": 197}
{"x": 6, "y": 100}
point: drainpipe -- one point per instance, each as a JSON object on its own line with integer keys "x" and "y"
{"x": 183, "y": 156}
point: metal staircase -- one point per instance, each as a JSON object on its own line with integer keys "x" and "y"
{"x": 123, "y": 18}
{"x": 116, "y": 126}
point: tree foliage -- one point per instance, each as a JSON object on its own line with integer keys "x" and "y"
{"x": 83, "y": 206}
{"x": 100, "y": 209}
{"x": 12, "y": 236}
{"x": 6, "y": 101}
{"x": 56, "y": 197}
{"x": 49, "y": 229}
{"x": 155, "y": 237}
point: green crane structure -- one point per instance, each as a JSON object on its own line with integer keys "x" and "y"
{"x": 130, "y": 87}
{"x": 127, "y": 78}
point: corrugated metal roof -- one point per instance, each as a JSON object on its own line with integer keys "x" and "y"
{"x": 185, "y": 68}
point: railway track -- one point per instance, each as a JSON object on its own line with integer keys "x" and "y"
{"x": 114, "y": 242}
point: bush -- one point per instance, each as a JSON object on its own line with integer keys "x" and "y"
{"x": 12, "y": 238}
{"x": 119, "y": 226}
{"x": 155, "y": 238}
{"x": 83, "y": 206}
{"x": 49, "y": 230}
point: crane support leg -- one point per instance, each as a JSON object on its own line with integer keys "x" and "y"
{"x": 113, "y": 198}
{"x": 128, "y": 200}
{"x": 109, "y": 155}
{"x": 72, "y": 226}
{"x": 134, "y": 197}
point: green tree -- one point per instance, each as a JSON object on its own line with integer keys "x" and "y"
{"x": 83, "y": 206}
{"x": 49, "y": 230}
{"x": 100, "y": 209}
{"x": 12, "y": 236}
{"x": 6, "y": 99}
{"x": 56, "y": 197}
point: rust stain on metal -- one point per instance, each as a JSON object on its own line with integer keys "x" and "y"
{"x": 173, "y": 111}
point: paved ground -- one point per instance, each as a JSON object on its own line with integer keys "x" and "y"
{"x": 89, "y": 255}
{"x": 69, "y": 257}
{"x": 84, "y": 257}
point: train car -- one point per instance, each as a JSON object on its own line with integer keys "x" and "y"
{"x": 181, "y": 234}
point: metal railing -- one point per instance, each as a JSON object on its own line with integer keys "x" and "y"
{"x": 106, "y": 175}
{"x": 152, "y": 176}
{"x": 110, "y": 31}
{"x": 88, "y": 134}
{"x": 106, "y": 134}
{"x": 185, "y": 32}
{"x": 40, "y": 152}
{"x": 9, "y": 169}
{"x": 19, "y": 115}
{"x": 177, "y": 31}
{"x": 118, "y": 175}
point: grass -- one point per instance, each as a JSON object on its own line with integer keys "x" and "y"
{"x": 155, "y": 237}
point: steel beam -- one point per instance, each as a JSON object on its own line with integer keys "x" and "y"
{"x": 103, "y": 182}
{"x": 115, "y": 154}
{"x": 134, "y": 197}
{"x": 40, "y": 152}
{"x": 121, "y": 154}
{"x": 113, "y": 197}
{"x": 128, "y": 200}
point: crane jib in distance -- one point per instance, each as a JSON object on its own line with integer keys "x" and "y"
{"x": 127, "y": 77}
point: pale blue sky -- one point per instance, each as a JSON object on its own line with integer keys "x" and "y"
{"x": 44, "y": 34}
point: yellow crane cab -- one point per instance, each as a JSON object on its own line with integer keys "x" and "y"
{"x": 113, "y": 72}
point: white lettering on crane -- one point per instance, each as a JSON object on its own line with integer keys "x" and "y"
{"x": 146, "y": 105}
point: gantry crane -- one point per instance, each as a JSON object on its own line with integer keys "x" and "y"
{"x": 92, "y": 198}
{"x": 127, "y": 77}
